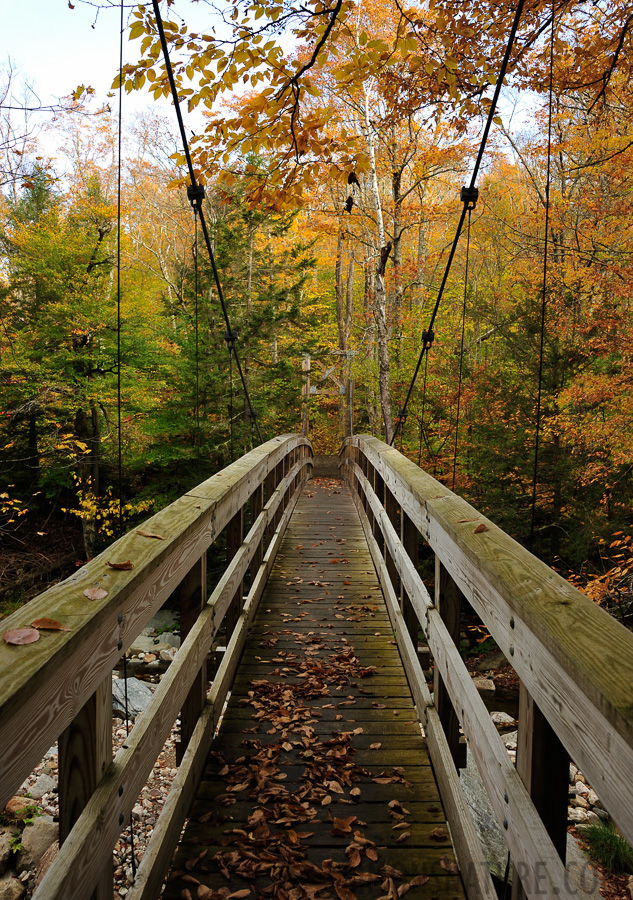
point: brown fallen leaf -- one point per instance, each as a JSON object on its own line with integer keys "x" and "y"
{"x": 403, "y": 837}
{"x": 355, "y": 792}
{"x": 449, "y": 864}
{"x": 49, "y": 625}
{"x": 95, "y": 593}
{"x": 400, "y": 825}
{"x": 150, "y": 534}
{"x": 371, "y": 853}
{"x": 481, "y": 528}
{"x": 343, "y": 892}
{"x": 236, "y": 895}
{"x": 122, "y": 565}
{"x": 419, "y": 880}
{"x": 376, "y": 746}
{"x": 20, "y": 636}
{"x": 439, "y": 834}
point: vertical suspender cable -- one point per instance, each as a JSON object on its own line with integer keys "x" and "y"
{"x": 118, "y": 380}
{"x": 544, "y": 293}
{"x": 196, "y": 290}
{"x": 461, "y": 352}
{"x": 118, "y": 281}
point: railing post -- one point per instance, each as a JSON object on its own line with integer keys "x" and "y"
{"x": 193, "y": 596}
{"x": 234, "y": 538}
{"x": 409, "y": 538}
{"x": 543, "y": 764}
{"x": 84, "y": 754}
{"x": 448, "y": 601}
{"x": 257, "y": 504}
{"x": 391, "y": 508}
{"x": 379, "y": 491}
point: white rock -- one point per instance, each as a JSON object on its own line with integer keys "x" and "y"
{"x": 577, "y": 815}
{"x": 169, "y": 654}
{"x": 501, "y": 718}
{"x": 581, "y": 788}
{"x": 510, "y": 739}
{"x": 579, "y": 803}
{"x": 592, "y": 817}
{"x": 138, "y": 812}
{"x": 573, "y": 772}
{"x": 592, "y": 797}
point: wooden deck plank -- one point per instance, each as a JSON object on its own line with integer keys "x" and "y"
{"x": 320, "y": 744}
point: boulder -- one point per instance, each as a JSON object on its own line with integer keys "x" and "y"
{"x": 43, "y": 785}
{"x": 484, "y": 684}
{"x": 488, "y": 663}
{"x": 36, "y": 839}
{"x": 5, "y": 849}
{"x": 11, "y": 888}
{"x": 139, "y": 695}
{"x": 490, "y": 834}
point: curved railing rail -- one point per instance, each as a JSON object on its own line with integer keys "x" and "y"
{"x": 574, "y": 660}
{"x": 60, "y": 687}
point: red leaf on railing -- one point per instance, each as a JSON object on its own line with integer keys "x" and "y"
{"x": 95, "y": 593}
{"x": 150, "y": 534}
{"x": 49, "y": 625}
{"x": 19, "y": 636}
{"x": 122, "y": 565}
{"x": 481, "y": 528}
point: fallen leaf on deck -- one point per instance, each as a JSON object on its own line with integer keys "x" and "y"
{"x": 49, "y": 625}
{"x": 375, "y": 746}
{"x": 20, "y": 636}
{"x": 419, "y": 880}
{"x": 439, "y": 834}
{"x": 449, "y": 864}
{"x": 122, "y": 565}
{"x": 95, "y": 593}
{"x": 403, "y": 837}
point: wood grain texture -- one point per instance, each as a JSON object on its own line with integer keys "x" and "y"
{"x": 468, "y": 848}
{"x": 574, "y": 658}
{"x": 42, "y": 690}
{"x": 525, "y": 833}
{"x": 91, "y": 841}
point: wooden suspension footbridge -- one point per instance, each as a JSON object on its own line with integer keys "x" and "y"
{"x": 333, "y": 770}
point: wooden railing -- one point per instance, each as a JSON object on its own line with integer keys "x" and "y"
{"x": 60, "y": 687}
{"x": 574, "y": 660}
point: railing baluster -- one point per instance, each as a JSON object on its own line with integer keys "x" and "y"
{"x": 543, "y": 764}
{"x": 409, "y": 538}
{"x": 448, "y": 601}
{"x": 84, "y": 754}
{"x": 193, "y": 597}
{"x": 234, "y": 538}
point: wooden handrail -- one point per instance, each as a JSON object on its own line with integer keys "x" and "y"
{"x": 573, "y": 658}
{"x": 44, "y": 686}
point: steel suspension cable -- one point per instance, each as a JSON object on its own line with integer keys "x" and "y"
{"x": 469, "y": 198}
{"x": 461, "y": 352}
{"x": 118, "y": 371}
{"x": 195, "y": 192}
{"x": 544, "y": 293}
{"x": 196, "y": 288}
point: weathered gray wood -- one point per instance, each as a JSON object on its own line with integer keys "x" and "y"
{"x": 44, "y": 685}
{"x": 448, "y": 601}
{"x": 85, "y": 752}
{"x": 234, "y": 535}
{"x": 158, "y": 854}
{"x": 466, "y": 841}
{"x": 409, "y": 540}
{"x": 91, "y": 842}
{"x": 560, "y": 643}
{"x": 543, "y": 764}
{"x": 525, "y": 833}
{"x": 193, "y": 598}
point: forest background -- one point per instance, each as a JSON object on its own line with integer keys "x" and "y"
{"x": 333, "y": 139}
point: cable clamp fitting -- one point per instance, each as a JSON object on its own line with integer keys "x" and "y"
{"x": 402, "y": 415}
{"x": 469, "y": 196}
{"x": 195, "y": 195}
{"x": 251, "y": 413}
{"x": 231, "y": 337}
{"x": 427, "y": 339}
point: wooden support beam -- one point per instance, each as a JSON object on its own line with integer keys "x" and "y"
{"x": 234, "y": 538}
{"x": 392, "y": 510}
{"x": 193, "y": 598}
{"x": 409, "y": 538}
{"x": 257, "y": 504}
{"x": 448, "y": 602}
{"x": 543, "y": 764}
{"x": 85, "y": 752}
